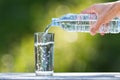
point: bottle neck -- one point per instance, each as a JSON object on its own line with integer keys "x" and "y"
{"x": 55, "y": 22}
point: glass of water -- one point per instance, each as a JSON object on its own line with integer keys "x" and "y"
{"x": 44, "y": 53}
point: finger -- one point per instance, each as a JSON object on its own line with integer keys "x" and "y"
{"x": 102, "y": 34}
{"x": 101, "y": 20}
{"x": 92, "y": 32}
{"x": 96, "y": 27}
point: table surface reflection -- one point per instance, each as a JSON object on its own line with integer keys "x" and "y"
{"x": 61, "y": 76}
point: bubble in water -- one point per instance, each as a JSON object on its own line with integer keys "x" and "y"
{"x": 43, "y": 58}
{"x": 46, "y": 62}
{"x": 48, "y": 51}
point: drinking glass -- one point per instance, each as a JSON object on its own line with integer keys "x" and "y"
{"x": 44, "y": 53}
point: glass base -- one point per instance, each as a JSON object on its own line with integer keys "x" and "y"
{"x": 44, "y": 73}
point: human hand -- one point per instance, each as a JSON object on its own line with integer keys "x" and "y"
{"x": 105, "y": 12}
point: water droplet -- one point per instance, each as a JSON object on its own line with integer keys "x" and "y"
{"x": 43, "y": 59}
{"x": 46, "y": 62}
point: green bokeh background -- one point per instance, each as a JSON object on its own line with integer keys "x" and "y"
{"x": 74, "y": 52}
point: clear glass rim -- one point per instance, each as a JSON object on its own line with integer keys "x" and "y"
{"x": 43, "y": 32}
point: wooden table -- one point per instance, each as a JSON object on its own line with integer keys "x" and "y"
{"x": 61, "y": 76}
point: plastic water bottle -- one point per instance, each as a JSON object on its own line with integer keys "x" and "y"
{"x": 83, "y": 22}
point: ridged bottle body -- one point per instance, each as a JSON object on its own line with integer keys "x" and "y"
{"x": 83, "y": 23}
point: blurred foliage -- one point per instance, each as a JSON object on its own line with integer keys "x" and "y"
{"x": 74, "y": 52}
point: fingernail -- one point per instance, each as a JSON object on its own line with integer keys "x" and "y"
{"x": 92, "y": 33}
{"x": 102, "y": 34}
